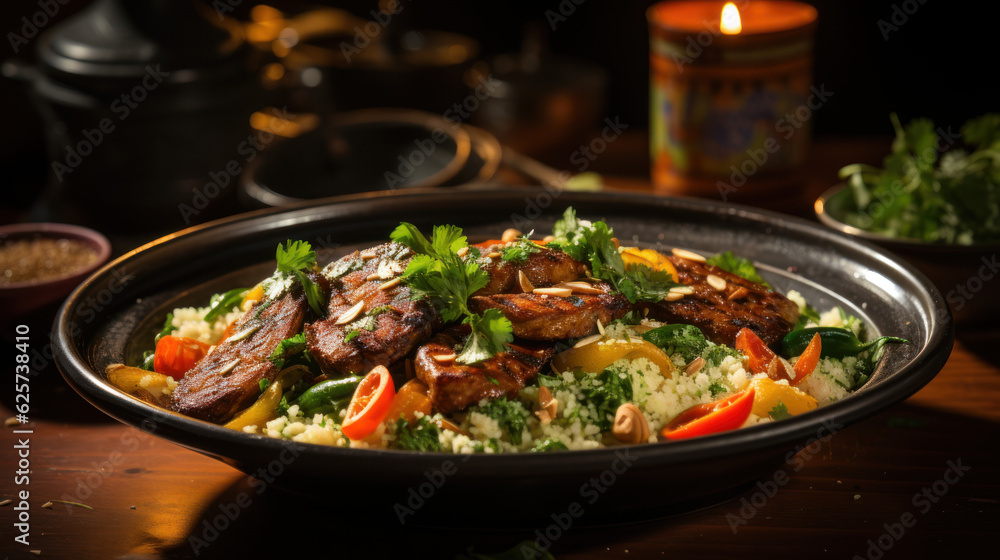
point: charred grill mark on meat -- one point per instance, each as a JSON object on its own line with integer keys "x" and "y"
{"x": 389, "y": 326}
{"x": 543, "y": 268}
{"x": 721, "y": 314}
{"x": 455, "y": 386}
{"x": 538, "y": 317}
{"x": 227, "y": 380}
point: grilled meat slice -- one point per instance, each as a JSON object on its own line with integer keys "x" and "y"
{"x": 227, "y": 380}
{"x": 455, "y": 386}
{"x": 538, "y": 317}
{"x": 389, "y": 325}
{"x": 543, "y": 268}
{"x": 721, "y": 314}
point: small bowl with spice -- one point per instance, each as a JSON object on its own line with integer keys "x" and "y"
{"x": 41, "y": 263}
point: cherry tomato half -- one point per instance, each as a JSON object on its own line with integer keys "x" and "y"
{"x": 176, "y": 355}
{"x": 720, "y": 416}
{"x": 808, "y": 360}
{"x": 759, "y": 356}
{"x": 370, "y": 404}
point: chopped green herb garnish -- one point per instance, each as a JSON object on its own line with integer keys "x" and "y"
{"x": 510, "y": 415}
{"x": 351, "y": 336}
{"x": 286, "y": 349}
{"x": 592, "y": 243}
{"x": 421, "y": 435}
{"x": 294, "y": 260}
{"x": 447, "y": 281}
{"x": 686, "y": 340}
{"x": 549, "y": 445}
{"x": 519, "y": 251}
{"x": 779, "y": 412}
{"x": 147, "y": 360}
{"x": 717, "y": 388}
{"x": 263, "y": 384}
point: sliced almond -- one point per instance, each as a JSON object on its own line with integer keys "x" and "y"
{"x": 368, "y": 256}
{"x": 351, "y": 313}
{"x": 739, "y": 293}
{"x": 687, "y": 255}
{"x": 444, "y": 358}
{"x": 588, "y": 340}
{"x": 674, "y": 296}
{"x": 510, "y": 234}
{"x": 580, "y": 287}
{"x": 462, "y": 252}
{"x": 390, "y": 284}
{"x": 522, "y": 280}
{"x": 717, "y": 283}
{"x": 683, "y": 290}
{"x": 493, "y": 255}
{"x": 558, "y": 292}
{"x": 600, "y": 327}
{"x": 547, "y": 402}
{"x": 371, "y": 277}
{"x": 695, "y": 366}
{"x": 548, "y": 239}
{"x": 228, "y": 368}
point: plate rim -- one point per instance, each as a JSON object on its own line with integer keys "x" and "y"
{"x": 925, "y": 365}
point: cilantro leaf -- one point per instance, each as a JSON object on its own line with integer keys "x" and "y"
{"x": 923, "y": 194}
{"x": 287, "y": 348}
{"x": 779, "y": 412}
{"x": 739, "y": 266}
{"x": 594, "y": 243}
{"x": 295, "y": 256}
{"x": 520, "y": 250}
{"x": 447, "y": 281}
{"x": 293, "y": 260}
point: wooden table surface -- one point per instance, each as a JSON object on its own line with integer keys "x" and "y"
{"x": 920, "y": 480}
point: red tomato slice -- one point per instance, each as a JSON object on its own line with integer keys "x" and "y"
{"x": 704, "y": 419}
{"x": 758, "y": 354}
{"x": 176, "y": 355}
{"x": 808, "y": 360}
{"x": 369, "y": 405}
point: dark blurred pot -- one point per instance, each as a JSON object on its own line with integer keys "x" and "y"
{"x": 416, "y": 69}
{"x": 544, "y": 107}
{"x": 143, "y": 99}
{"x": 967, "y": 275}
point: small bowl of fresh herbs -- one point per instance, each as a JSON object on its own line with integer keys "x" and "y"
{"x": 936, "y": 202}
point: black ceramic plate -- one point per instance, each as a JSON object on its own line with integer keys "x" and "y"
{"x": 113, "y": 315}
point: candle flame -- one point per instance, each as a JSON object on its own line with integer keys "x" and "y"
{"x": 730, "y": 24}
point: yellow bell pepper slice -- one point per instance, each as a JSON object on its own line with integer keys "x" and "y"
{"x": 767, "y": 393}
{"x": 264, "y": 409}
{"x": 596, "y": 356}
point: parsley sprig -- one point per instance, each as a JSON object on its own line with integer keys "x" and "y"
{"x": 593, "y": 243}
{"x": 447, "y": 280}
{"x": 294, "y": 259}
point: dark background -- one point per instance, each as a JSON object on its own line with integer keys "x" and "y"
{"x": 938, "y": 64}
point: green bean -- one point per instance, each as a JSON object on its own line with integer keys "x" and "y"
{"x": 321, "y": 396}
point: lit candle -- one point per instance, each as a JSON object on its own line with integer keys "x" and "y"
{"x": 727, "y": 81}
